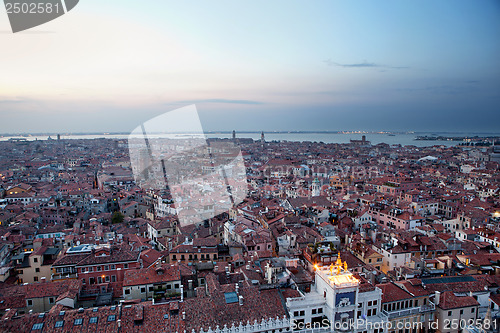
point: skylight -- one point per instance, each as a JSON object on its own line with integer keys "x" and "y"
{"x": 231, "y": 297}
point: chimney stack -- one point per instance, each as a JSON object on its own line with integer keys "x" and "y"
{"x": 241, "y": 300}
{"x": 437, "y": 296}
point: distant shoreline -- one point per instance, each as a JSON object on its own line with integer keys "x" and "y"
{"x": 441, "y": 133}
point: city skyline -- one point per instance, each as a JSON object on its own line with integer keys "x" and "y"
{"x": 107, "y": 67}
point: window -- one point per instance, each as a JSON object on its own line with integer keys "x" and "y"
{"x": 93, "y": 320}
{"x": 30, "y": 302}
{"x": 98, "y": 268}
{"x": 127, "y": 291}
{"x": 125, "y": 266}
{"x": 78, "y": 321}
{"x": 182, "y": 257}
{"x": 449, "y": 313}
{"x": 111, "y": 318}
{"x": 51, "y": 300}
{"x": 143, "y": 290}
{"x": 296, "y": 313}
{"x": 107, "y": 278}
{"x": 106, "y": 268}
{"x": 174, "y": 257}
{"x": 35, "y": 278}
{"x": 302, "y": 313}
{"x": 113, "y": 278}
{"x": 472, "y": 310}
{"x": 59, "y": 323}
{"x": 150, "y": 289}
{"x": 37, "y": 270}
{"x": 313, "y": 311}
{"x": 176, "y": 286}
{"x": 113, "y": 266}
{"x": 320, "y": 310}
{"x": 38, "y": 326}
{"x": 35, "y": 259}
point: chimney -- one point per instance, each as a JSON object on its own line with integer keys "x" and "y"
{"x": 182, "y": 293}
{"x": 237, "y": 287}
{"x": 183, "y": 315}
{"x": 241, "y": 300}
{"x": 437, "y": 296}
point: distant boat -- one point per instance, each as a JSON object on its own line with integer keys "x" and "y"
{"x": 391, "y": 134}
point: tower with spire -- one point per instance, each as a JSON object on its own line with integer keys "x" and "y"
{"x": 316, "y": 188}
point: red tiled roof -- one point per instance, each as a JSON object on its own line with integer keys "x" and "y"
{"x": 448, "y": 300}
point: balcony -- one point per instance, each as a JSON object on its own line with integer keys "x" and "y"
{"x": 401, "y": 313}
{"x": 63, "y": 276}
{"x": 410, "y": 311}
{"x": 428, "y": 308}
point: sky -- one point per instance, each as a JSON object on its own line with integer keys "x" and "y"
{"x": 108, "y": 66}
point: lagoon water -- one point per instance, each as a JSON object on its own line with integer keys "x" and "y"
{"x": 375, "y": 138}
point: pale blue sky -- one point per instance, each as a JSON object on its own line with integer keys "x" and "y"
{"x": 256, "y": 65}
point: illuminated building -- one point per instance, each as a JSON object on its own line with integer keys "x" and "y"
{"x": 337, "y": 299}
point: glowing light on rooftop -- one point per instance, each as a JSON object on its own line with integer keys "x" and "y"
{"x": 337, "y": 273}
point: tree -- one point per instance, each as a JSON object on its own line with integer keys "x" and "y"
{"x": 117, "y": 218}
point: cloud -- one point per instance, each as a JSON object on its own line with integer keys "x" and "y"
{"x": 445, "y": 89}
{"x": 222, "y": 101}
{"x": 363, "y": 64}
{"x": 13, "y": 100}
